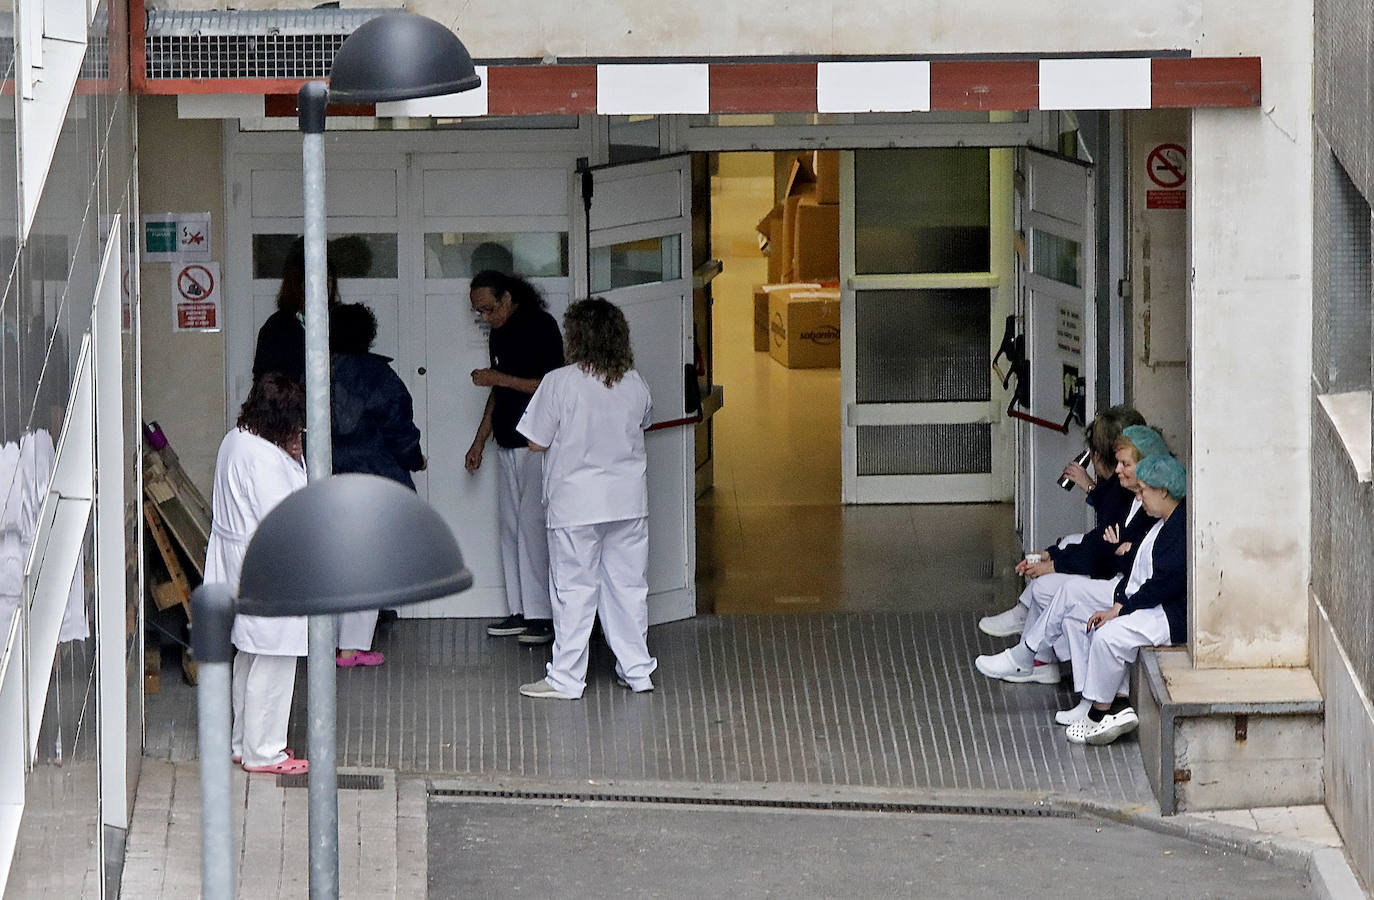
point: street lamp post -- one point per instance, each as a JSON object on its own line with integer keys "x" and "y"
{"x": 397, "y": 56}
{"x": 341, "y": 544}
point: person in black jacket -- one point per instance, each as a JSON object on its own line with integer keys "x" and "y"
{"x": 1101, "y": 559}
{"x": 1150, "y": 609}
{"x": 1109, "y": 498}
{"x": 374, "y": 433}
{"x": 525, "y": 346}
{"x": 281, "y": 339}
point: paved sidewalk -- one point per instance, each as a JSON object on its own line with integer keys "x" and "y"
{"x": 381, "y": 837}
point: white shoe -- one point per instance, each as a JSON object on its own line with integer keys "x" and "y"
{"x": 1004, "y": 624}
{"x": 644, "y": 688}
{"x": 1069, "y": 716}
{"x": 542, "y": 690}
{"x": 1004, "y": 666}
{"x": 1086, "y": 731}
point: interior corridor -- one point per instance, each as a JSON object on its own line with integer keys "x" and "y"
{"x": 772, "y": 536}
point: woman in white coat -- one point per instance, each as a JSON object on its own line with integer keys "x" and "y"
{"x": 590, "y": 417}
{"x": 258, "y": 465}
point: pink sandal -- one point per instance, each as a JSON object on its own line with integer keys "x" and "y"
{"x": 285, "y": 767}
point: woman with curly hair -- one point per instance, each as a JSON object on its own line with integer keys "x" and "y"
{"x": 258, "y": 465}
{"x": 589, "y": 418}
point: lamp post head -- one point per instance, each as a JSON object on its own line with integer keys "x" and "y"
{"x": 400, "y": 56}
{"x": 348, "y": 543}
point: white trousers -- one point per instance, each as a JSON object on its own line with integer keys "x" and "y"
{"x": 355, "y": 629}
{"x": 1113, "y": 647}
{"x": 262, "y": 689}
{"x": 1037, "y": 596}
{"x": 524, "y": 532}
{"x": 1047, "y": 602}
{"x": 1080, "y": 601}
{"x": 601, "y": 569}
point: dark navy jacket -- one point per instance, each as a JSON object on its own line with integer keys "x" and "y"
{"x": 1110, "y": 500}
{"x": 1167, "y": 585}
{"x": 1097, "y": 558}
{"x": 374, "y": 419}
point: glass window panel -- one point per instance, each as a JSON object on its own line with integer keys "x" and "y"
{"x": 957, "y": 449}
{"x": 645, "y": 261}
{"x": 450, "y": 254}
{"x": 1055, "y": 257}
{"x": 353, "y": 255}
{"x": 922, "y": 346}
{"x": 921, "y": 211}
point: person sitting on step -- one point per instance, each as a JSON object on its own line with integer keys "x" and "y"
{"x": 1148, "y": 610}
{"x": 1105, "y": 555}
{"x": 1107, "y": 496}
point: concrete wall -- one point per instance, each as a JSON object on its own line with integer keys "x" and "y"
{"x": 1250, "y": 349}
{"x": 1159, "y": 282}
{"x": 539, "y": 28}
{"x": 1342, "y": 508}
{"x": 181, "y": 166}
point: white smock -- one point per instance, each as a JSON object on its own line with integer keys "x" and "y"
{"x": 252, "y": 476}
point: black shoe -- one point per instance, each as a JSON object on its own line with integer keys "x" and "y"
{"x": 537, "y": 631}
{"x": 506, "y": 627}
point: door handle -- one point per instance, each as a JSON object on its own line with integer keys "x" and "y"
{"x": 421, "y": 370}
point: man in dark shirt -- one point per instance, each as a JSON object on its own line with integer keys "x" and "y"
{"x": 525, "y": 346}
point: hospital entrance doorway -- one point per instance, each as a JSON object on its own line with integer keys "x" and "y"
{"x": 873, "y": 473}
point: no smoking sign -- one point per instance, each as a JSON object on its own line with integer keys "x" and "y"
{"x": 1167, "y": 166}
{"x": 195, "y": 296}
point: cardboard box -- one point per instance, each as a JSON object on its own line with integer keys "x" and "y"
{"x": 815, "y": 241}
{"x": 804, "y": 328}
{"x": 786, "y": 245}
{"x": 826, "y": 165}
{"x": 770, "y": 232}
{"x": 761, "y": 295}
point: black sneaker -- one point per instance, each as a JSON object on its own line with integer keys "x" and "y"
{"x": 506, "y": 627}
{"x": 537, "y": 631}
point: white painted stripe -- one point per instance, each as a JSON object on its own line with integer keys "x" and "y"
{"x": 445, "y": 106}
{"x": 1094, "y": 84}
{"x": 651, "y": 89}
{"x": 220, "y": 106}
{"x": 890, "y": 86}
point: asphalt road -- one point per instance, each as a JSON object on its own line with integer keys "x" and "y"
{"x": 571, "y": 849}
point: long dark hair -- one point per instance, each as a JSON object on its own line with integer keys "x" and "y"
{"x": 522, "y": 293}
{"x": 274, "y": 410}
{"x": 598, "y": 339}
{"x": 291, "y": 294}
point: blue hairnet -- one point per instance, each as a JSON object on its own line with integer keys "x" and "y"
{"x": 1147, "y": 441}
{"x": 1165, "y": 472}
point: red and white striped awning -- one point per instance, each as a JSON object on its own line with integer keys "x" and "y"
{"x": 663, "y": 87}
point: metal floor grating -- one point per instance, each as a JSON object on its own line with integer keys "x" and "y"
{"x": 860, "y": 699}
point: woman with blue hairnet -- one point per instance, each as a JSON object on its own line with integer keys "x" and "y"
{"x": 1084, "y": 573}
{"x": 1150, "y": 609}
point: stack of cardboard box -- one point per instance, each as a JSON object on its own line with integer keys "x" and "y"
{"x": 801, "y": 237}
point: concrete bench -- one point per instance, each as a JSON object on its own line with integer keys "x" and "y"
{"x": 1227, "y": 738}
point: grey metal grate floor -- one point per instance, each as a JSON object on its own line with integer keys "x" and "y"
{"x": 871, "y": 699}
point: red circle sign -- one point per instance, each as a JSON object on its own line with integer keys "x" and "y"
{"x": 1167, "y": 165}
{"x": 195, "y": 283}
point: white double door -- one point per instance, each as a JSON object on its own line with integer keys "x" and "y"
{"x": 421, "y": 215}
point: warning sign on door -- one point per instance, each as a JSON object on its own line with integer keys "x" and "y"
{"x": 1167, "y": 167}
{"x": 195, "y": 296}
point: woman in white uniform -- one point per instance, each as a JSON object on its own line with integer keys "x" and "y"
{"x": 258, "y": 465}
{"x": 1148, "y": 610}
{"x": 590, "y": 417}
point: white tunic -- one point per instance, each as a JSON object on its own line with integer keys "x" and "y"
{"x": 595, "y": 470}
{"x": 252, "y": 476}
